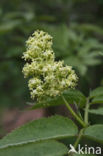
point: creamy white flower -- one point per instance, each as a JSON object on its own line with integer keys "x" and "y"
{"x": 47, "y": 76}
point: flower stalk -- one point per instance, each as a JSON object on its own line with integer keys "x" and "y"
{"x": 73, "y": 113}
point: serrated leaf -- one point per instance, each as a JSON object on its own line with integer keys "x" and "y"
{"x": 46, "y": 148}
{"x": 98, "y": 99}
{"x": 55, "y": 127}
{"x": 98, "y": 111}
{"x": 96, "y": 92}
{"x": 71, "y": 95}
{"x": 95, "y": 132}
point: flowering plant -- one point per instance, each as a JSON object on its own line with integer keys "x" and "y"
{"x": 52, "y": 83}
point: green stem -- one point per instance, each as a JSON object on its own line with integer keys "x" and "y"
{"x": 73, "y": 113}
{"x": 78, "y": 138}
{"x": 86, "y": 112}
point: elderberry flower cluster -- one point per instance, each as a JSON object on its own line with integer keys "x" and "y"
{"x": 47, "y": 76}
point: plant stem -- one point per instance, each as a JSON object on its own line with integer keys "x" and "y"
{"x": 78, "y": 138}
{"x": 86, "y": 112}
{"x": 73, "y": 113}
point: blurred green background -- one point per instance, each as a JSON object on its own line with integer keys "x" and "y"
{"x": 77, "y": 30}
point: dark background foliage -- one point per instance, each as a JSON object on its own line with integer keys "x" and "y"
{"x": 77, "y": 30}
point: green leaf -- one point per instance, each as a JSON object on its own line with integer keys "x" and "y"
{"x": 71, "y": 95}
{"x": 96, "y": 92}
{"x": 90, "y": 28}
{"x": 55, "y": 127}
{"x": 49, "y": 102}
{"x": 5, "y": 27}
{"x": 75, "y": 96}
{"x": 98, "y": 99}
{"x": 95, "y": 132}
{"x": 101, "y": 53}
{"x": 46, "y": 148}
{"x": 98, "y": 111}
{"x": 97, "y": 95}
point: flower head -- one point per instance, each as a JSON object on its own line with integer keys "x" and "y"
{"x": 47, "y": 76}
